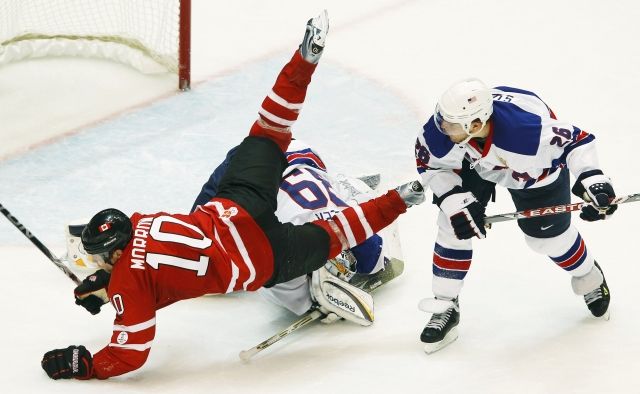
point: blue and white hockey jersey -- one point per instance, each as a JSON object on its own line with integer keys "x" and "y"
{"x": 308, "y": 192}
{"x": 525, "y": 148}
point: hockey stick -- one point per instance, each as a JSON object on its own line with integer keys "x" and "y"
{"x": 368, "y": 283}
{"x": 245, "y": 355}
{"x": 553, "y": 210}
{"x": 40, "y": 245}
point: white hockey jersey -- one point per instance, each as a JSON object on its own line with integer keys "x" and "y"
{"x": 525, "y": 148}
{"x": 307, "y": 193}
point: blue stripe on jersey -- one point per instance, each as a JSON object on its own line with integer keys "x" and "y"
{"x": 550, "y": 171}
{"x": 439, "y": 144}
{"x": 307, "y": 157}
{"x": 514, "y": 129}
{"x": 455, "y": 254}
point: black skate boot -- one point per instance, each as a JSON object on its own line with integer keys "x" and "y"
{"x": 441, "y": 329}
{"x": 598, "y": 300}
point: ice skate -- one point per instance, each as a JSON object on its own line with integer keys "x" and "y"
{"x": 441, "y": 329}
{"x": 312, "y": 44}
{"x": 598, "y": 300}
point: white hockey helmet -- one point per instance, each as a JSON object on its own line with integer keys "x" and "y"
{"x": 464, "y": 102}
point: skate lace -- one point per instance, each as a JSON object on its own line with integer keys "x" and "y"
{"x": 439, "y": 320}
{"x": 593, "y": 296}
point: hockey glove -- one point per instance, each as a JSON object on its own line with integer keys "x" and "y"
{"x": 72, "y": 362}
{"x": 412, "y": 193}
{"x": 465, "y": 213}
{"x": 594, "y": 187}
{"x": 91, "y": 294}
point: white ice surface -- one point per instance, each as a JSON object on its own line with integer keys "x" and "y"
{"x": 78, "y": 135}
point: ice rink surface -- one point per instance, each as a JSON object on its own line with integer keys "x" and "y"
{"x": 79, "y": 135}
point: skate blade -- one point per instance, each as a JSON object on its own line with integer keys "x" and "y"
{"x": 434, "y": 347}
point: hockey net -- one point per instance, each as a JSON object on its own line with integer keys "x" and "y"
{"x": 150, "y": 35}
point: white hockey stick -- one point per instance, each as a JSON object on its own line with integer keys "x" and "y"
{"x": 554, "y": 210}
{"x": 368, "y": 283}
{"x": 245, "y": 355}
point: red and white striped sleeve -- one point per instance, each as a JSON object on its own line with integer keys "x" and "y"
{"x": 353, "y": 225}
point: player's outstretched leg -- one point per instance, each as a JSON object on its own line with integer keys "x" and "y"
{"x": 598, "y": 299}
{"x": 282, "y": 106}
{"x": 441, "y": 328}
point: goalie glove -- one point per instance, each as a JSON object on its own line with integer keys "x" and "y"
{"x": 91, "y": 294}
{"x": 594, "y": 187}
{"x": 465, "y": 213}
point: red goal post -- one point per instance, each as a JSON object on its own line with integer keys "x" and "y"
{"x": 150, "y": 35}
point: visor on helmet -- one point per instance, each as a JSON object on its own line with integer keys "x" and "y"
{"x": 445, "y": 127}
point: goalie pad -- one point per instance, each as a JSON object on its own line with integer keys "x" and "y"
{"x": 339, "y": 297}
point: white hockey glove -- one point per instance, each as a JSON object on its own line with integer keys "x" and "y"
{"x": 412, "y": 193}
{"x": 465, "y": 213}
{"x": 338, "y": 297}
{"x": 594, "y": 187}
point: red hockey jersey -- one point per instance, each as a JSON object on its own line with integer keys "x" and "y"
{"x": 217, "y": 249}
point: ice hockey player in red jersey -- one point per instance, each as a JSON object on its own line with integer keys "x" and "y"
{"x": 233, "y": 242}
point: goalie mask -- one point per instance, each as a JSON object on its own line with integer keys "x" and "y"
{"x": 107, "y": 231}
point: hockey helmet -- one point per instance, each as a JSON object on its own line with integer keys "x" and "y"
{"x": 464, "y": 102}
{"x": 108, "y": 230}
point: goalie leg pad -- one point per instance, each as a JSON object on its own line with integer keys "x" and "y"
{"x": 341, "y": 298}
